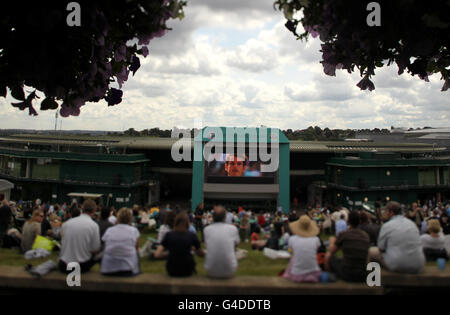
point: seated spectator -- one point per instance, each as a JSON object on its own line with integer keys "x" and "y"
{"x": 31, "y": 229}
{"x": 303, "y": 266}
{"x": 112, "y": 217}
{"x": 229, "y": 218}
{"x": 256, "y": 241}
{"x": 73, "y": 212}
{"x": 5, "y": 216}
{"x": 55, "y": 222}
{"x": 104, "y": 223}
{"x": 244, "y": 227}
{"x": 445, "y": 224}
{"x": 327, "y": 222}
{"x": 120, "y": 257}
{"x": 221, "y": 240}
{"x": 261, "y": 220}
{"x": 274, "y": 241}
{"x": 179, "y": 244}
{"x": 46, "y": 227}
{"x": 355, "y": 244}
{"x": 341, "y": 225}
{"x": 278, "y": 224}
{"x": 415, "y": 214}
{"x": 167, "y": 226}
{"x": 433, "y": 244}
{"x": 399, "y": 247}
{"x": 370, "y": 228}
{"x": 80, "y": 239}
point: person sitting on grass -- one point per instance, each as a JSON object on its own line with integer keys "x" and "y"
{"x": 120, "y": 257}
{"x": 167, "y": 226}
{"x": 221, "y": 240}
{"x": 304, "y": 243}
{"x": 256, "y": 241}
{"x": 179, "y": 243}
{"x": 341, "y": 224}
{"x": 80, "y": 239}
{"x": 433, "y": 244}
{"x": 244, "y": 227}
{"x": 399, "y": 247}
{"x": 355, "y": 244}
{"x": 31, "y": 229}
{"x": 103, "y": 221}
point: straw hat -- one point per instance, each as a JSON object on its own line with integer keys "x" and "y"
{"x": 304, "y": 227}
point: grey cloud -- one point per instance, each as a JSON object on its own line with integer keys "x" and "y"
{"x": 256, "y": 59}
{"x": 234, "y": 5}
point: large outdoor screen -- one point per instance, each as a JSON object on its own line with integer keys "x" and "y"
{"x": 236, "y": 168}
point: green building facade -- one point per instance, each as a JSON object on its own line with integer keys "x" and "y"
{"x": 352, "y": 181}
{"x": 245, "y": 138}
{"x": 120, "y": 179}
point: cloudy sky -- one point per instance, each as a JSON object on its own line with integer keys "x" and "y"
{"x": 233, "y": 63}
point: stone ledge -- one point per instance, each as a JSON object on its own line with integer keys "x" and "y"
{"x": 432, "y": 276}
{"x": 18, "y": 278}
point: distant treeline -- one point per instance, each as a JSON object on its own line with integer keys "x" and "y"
{"x": 310, "y": 134}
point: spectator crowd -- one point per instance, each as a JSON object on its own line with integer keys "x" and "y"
{"x": 323, "y": 242}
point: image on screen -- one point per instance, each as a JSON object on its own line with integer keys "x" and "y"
{"x": 236, "y": 168}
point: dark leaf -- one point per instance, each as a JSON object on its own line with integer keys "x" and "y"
{"x": 49, "y": 103}
{"x": 291, "y": 26}
{"x": 18, "y": 93}
{"x": 135, "y": 64}
{"x": 114, "y": 97}
{"x": 32, "y": 111}
{"x": 21, "y": 105}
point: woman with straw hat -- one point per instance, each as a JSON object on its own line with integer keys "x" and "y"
{"x": 303, "y": 266}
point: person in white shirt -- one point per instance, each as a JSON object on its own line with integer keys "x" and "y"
{"x": 221, "y": 240}
{"x": 229, "y": 217}
{"x": 303, "y": 266}
{"x": 112, "y": 218}
{"x": 399, "y": 246}
{"x": 121, "y": 247}
{"x": 341, "y": 225}
{"x": 80, "y": 239}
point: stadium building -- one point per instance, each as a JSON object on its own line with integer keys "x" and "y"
{"x": 123, "y": 171}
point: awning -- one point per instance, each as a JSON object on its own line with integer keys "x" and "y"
{"x": 5, "y": 185}
{"x": 84, "y": 195}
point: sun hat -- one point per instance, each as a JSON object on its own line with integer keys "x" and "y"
{"x": 304, "y": 227}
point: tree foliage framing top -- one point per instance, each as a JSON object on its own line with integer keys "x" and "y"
{"x": 413, "y": 33}
{"x": 76, "y": 64}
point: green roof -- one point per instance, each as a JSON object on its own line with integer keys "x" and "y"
{"x": 113, "y": 158}
{"x": 356, "y": 162}
{"x": 154, "y": 143}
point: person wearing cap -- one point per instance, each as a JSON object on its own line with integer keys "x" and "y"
{"x": 355, "y": 244}
{"x": 399, "y": 247}
{"x": 433, "y": 244}
{"x": 304, "y": 243}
